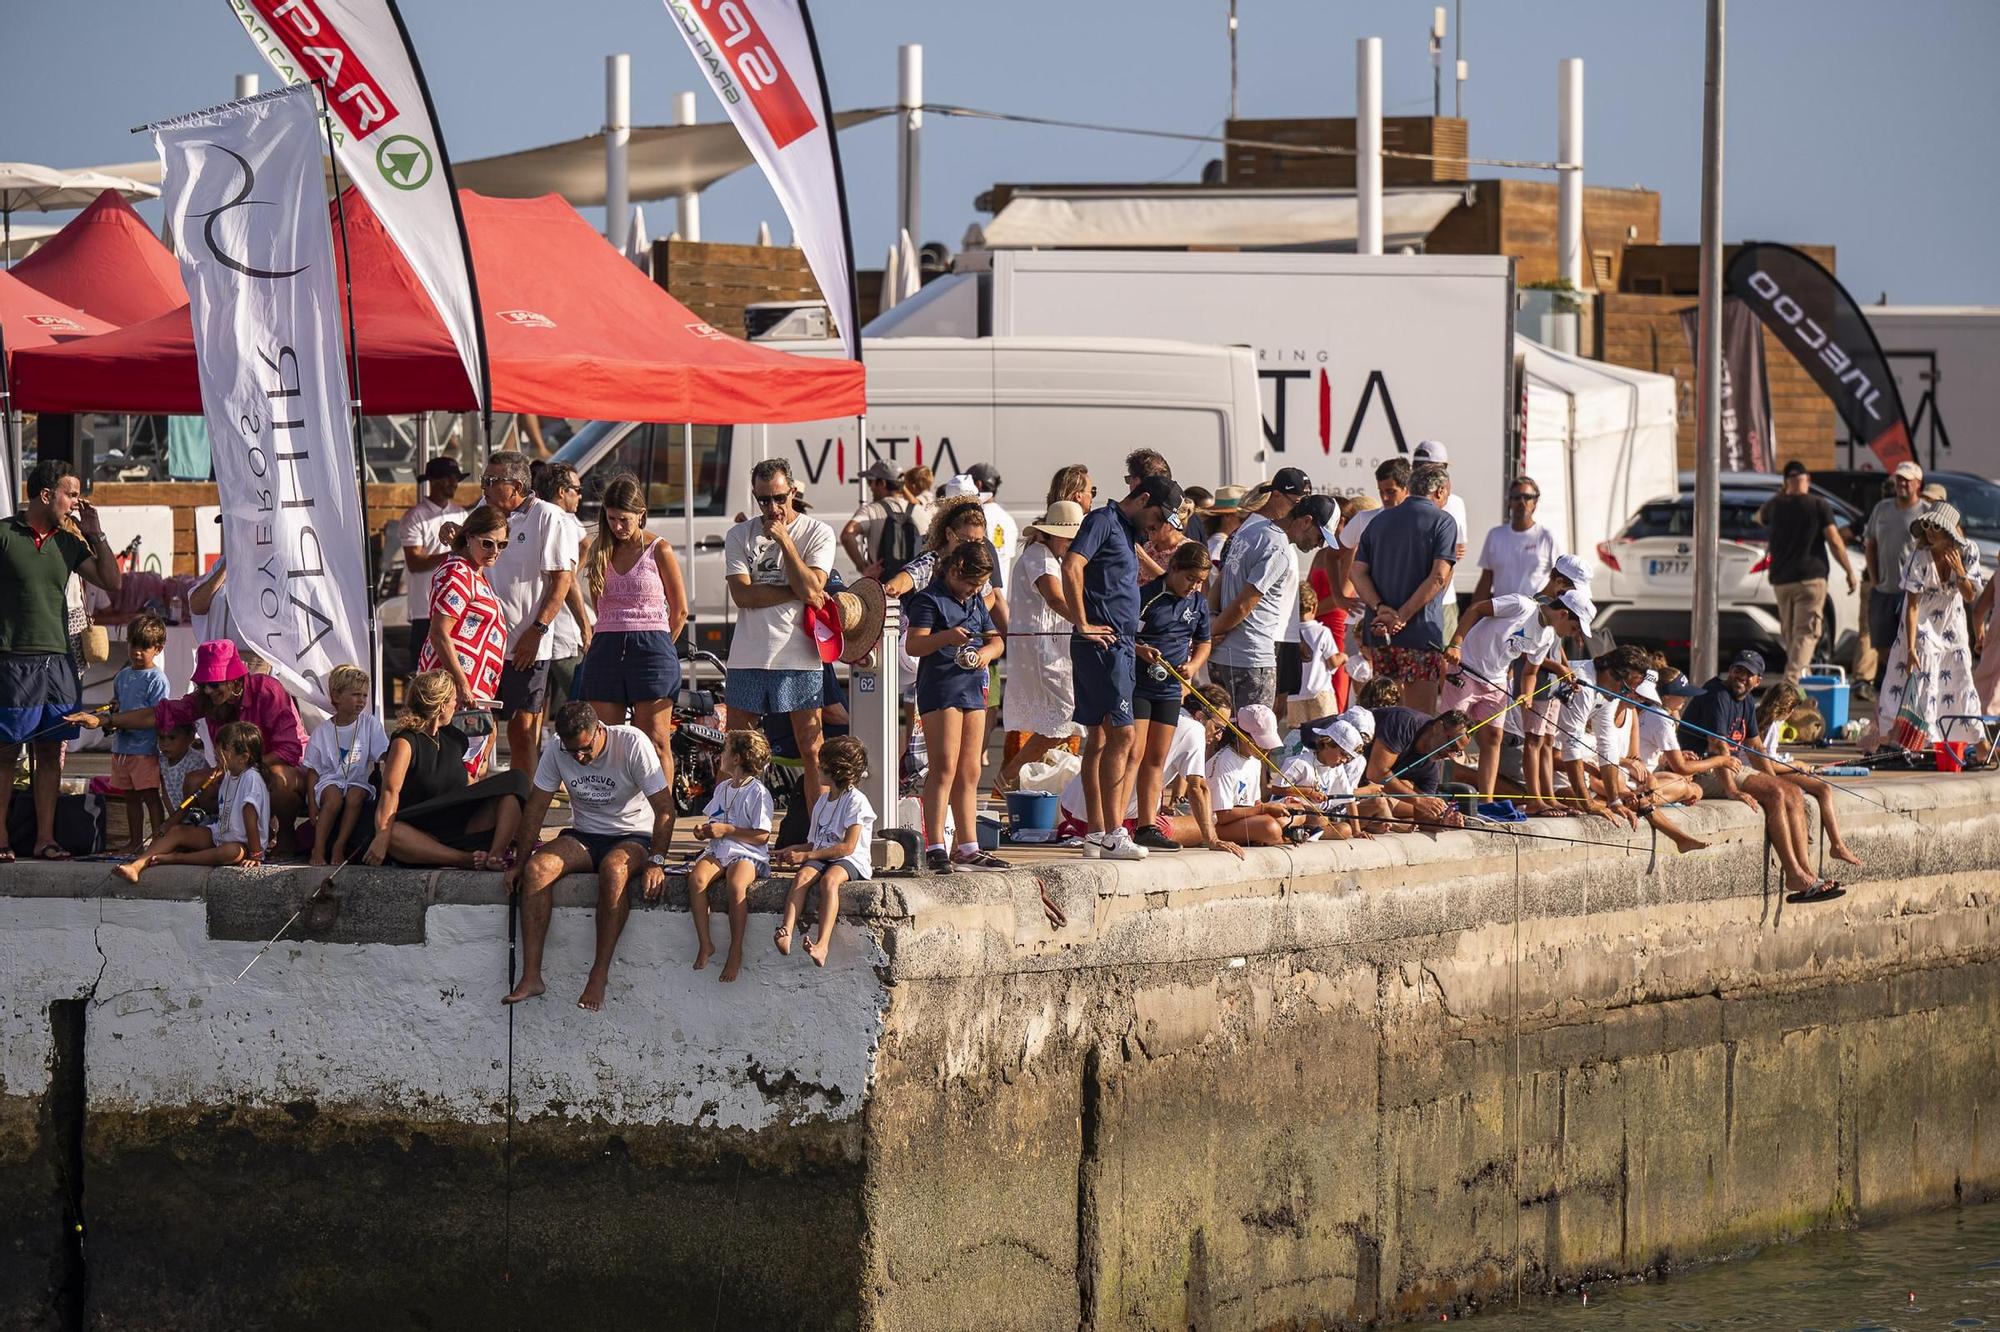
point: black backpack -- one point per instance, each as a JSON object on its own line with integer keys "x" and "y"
{"x": 900, "y": 539}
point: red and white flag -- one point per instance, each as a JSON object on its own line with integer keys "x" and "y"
{"x": 760, "y": 58}
{"x": 386, "y": 136}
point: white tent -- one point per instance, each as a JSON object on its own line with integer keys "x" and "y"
{"x": 1600, "y": 441}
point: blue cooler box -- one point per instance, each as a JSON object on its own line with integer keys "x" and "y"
{"x": 1827, "y": 687}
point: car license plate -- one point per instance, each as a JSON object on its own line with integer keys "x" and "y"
{"x": 1658, "y": 568}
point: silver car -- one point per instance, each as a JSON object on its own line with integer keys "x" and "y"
{"x": 1645, "y": 589}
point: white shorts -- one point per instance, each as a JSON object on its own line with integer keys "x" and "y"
{"x": 726, "y": 851}
{"x": 335, "y": 784}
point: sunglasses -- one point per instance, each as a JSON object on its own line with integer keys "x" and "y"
{"x": 213, "y": 686}
{"x": 491, "y": 543}
{"x": 1522, "y": 496}
{"x": 497, "y": 481}
{"x": 581, "y": 752}
{"x": 772, "y": 501}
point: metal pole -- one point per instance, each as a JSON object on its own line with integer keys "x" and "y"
{"x": 687, "y": 516}
{"x": 1569, "y": 173}
{"x": 617, "y": 141}
{"x": 1232, "y": 59}
{"x": 910, "y": 116}
{"x": 1458, "y": 59}
{"x": 1706, "y": 653}
{"x": 687, "y": 206}
{"x": 1368, "y": 145}
{"x": 246, "y": 86}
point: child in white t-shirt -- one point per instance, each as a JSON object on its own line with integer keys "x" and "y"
{"x": 1319, "y": 658}
{"x": 339, "y": 760}
{"x": 242, "y": 831}
{"x": 837, "y": 847}
{"x": 737, "y": 828}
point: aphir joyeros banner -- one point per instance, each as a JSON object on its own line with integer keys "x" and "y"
{"x": 246, "y": 203}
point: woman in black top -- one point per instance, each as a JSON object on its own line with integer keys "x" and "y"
{"x": 429, "y": 813}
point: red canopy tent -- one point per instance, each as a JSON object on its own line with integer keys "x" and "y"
{"x": 30, "y": 319}
{"x": 108, "y": 262}
{"x": 572, "y": 329}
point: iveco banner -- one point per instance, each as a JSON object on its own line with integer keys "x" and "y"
{"x": 386, "y": 135}
{"x": 1748, "y": 441}
{"x": 246, "y": 205}
{"x": 760, "y": 58}
{"x": 1820, "y": 324}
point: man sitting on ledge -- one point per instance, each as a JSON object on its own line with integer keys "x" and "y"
{"x": 613, "y": 774}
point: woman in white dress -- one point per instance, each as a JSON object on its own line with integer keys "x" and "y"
{"x": 1041, "y": 691}
{"x": 1930, "y": 667}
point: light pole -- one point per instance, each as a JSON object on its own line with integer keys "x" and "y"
{"x": 1706, "y": 653}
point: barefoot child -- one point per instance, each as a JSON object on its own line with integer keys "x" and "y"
{"x": 340, "y": 761}
{"x": 242, "y": 828}
{"x": 837, "y": 848}
{"x": 1780, "y": 701}
{"x": 948, "y": 629}
{"x": 184, "y": 766}
{"x": 135, "y": 755}
{"x": 738, "y": 833}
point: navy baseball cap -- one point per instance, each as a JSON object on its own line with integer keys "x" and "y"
{"x": 1752, "y": 662}
{"x": 1161, "y": 492}
{"x": 1292, "y": 481}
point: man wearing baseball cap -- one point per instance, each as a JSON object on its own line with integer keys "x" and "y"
{"x": 423, "y": 547}
{"x": 862, "y": 537}
{"x": 1256, "y": 622}
{"x": 999, "y": 523}
{"x": 1802, "y": 531}
{"x": 1888, "y": 541}
{"x": 1496, "y": 639}
{"x": 1100, "y": 580}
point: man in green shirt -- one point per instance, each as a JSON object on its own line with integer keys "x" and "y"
{"x": 39, "y": 550}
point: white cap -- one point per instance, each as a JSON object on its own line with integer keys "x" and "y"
{"x": 1344, "y": 735}
{"x": 1260, "y": 724}
{"x": 1649, "y": 688}
{"x": 1362, "y": 720}
{"x": 1579, "y": 605}
{"x": 1431, "y": 451}
{"x": 1573, "y": 568}
{"x": 1359, "y": 671}
{"x": 960, "y": 485}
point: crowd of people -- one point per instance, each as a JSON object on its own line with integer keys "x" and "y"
{"x": 1211, "y": 668}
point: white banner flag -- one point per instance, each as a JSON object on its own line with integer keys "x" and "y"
{"x": 760, "y": 58}
{"x": 386, "y": 135}
{"x": 247, "y": 208}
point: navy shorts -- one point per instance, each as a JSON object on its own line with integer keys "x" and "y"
{"x": 600, "y": 845}
{"x": 1104, "y": 680}
{"x": 626, "y": 669}
{"x": 37, "y": 690}
{"x": 522, "y": 691}
{"x": 945, "y": 684}
{"x": 761, "y": 691}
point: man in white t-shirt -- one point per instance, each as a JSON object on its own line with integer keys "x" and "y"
{"x": 558, "y": 484}
{"x": 622, "y": 819}
{"x": 999, "y": 523}
{"x": 423, "y": 546}
{"x": 777, "y": 565}
{"x": 531, "y": 580}
{"x": 1519, "y": 554}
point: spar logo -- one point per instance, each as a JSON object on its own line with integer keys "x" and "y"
{"x": 55, "y": 323}
{"x": 527, "y": 318}
{"x": 707, "y": 332}
{"x": 743, "y": 64}
{"x": 310, "y": 49}
{"x": 404, "y": 162}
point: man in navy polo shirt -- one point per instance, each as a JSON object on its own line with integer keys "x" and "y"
{"x": 1101, "y": 595}
{"x": 1401, "y": 568}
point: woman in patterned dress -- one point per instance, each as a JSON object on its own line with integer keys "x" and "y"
{"x": 1930, "y": 666}
{"x": 468, "y": 637}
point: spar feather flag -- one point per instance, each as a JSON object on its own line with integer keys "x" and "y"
{"x": 246, "y": 196}
{"x": 761, "y": 59}
{"x": 386, "y": 135}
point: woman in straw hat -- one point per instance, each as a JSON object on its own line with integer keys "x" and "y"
{"x": 1930, "y": 666}
{"x": 1041, "y": 690}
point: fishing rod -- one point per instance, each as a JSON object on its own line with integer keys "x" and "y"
{"x": 320, "y": 908}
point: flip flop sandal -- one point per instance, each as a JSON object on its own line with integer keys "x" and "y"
{"x": 1823, "y": 891}
{"x": 6, "y": 855}
{"x": 52, "y": 852}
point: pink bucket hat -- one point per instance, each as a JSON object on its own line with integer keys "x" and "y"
{"x": 217, "y": 662}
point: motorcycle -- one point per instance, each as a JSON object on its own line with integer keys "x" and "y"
{"x": 698, "y": 737}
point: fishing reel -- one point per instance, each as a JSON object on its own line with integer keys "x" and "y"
{"x": 1157, "y": 672}
{"x": 968, "y": 657}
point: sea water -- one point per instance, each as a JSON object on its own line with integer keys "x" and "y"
{"x": 1938, "y": 1271}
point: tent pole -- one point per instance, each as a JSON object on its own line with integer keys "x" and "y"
{"x": 687, "y": 517}
{"x": 376, "y": 686}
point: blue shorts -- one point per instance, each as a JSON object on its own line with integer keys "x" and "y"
{"x": 764, "y": 692}
{"x": 942, "y": 683}
{"x": 600, "y": 845}
{"x": 37, "y": 690}
{"x": 629, "y": 668}
{"x": 1104, "y": 679}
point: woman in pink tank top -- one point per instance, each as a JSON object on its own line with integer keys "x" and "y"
{"x": 632, "y": 665}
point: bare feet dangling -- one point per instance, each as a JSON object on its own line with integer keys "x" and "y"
{"x": 592, "y": 998}
{"x": 529, "y": 987}
{"x": 816, "y": 948}
{"x": 733, "y": 966}
{"x": 783, "y": 938}
{"x": 702, "y": 954}
{"x": 1840, "y": 851}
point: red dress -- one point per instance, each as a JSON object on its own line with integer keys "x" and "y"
{"x": 478, "y": 634}
{"x": 1335, "y": 619}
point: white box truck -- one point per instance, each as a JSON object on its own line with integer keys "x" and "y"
{"x": 1358, "y": 358}
{"x": 1946, "y": 359}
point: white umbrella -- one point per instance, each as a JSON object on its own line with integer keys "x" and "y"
{"x": 28, "y": 188}
{"x": 892, "y": 286}
{"x": 908, "y": 272}
{"x": 638, "y": 248}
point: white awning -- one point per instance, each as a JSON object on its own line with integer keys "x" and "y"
{"x": 1126, "y": 219}
{"x": 663, "y": 160}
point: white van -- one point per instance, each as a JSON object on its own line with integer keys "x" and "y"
{"x": 1028, "y": 405}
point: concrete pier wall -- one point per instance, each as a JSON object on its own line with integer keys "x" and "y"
{"x": 1319, "y": 1086}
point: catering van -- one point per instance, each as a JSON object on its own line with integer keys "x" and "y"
{"x": 1028, "y": 405}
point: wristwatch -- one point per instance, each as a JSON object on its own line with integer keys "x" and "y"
{"x": 657, "y": 861}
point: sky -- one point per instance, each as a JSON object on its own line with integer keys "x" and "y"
{"x": 1851, "y": 122}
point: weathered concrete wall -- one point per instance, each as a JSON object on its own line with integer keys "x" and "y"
{"x": 1321, "y": 1086}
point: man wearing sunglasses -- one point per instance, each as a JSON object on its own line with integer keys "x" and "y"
{"x": 531, "y": 580}
{"x": 1518, "y": 555}
{"x": 777, "y": 563}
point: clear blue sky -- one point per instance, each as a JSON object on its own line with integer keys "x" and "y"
{"x": 1862, "y": 124}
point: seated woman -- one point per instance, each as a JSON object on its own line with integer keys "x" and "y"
{"x": 430, "y": 812}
